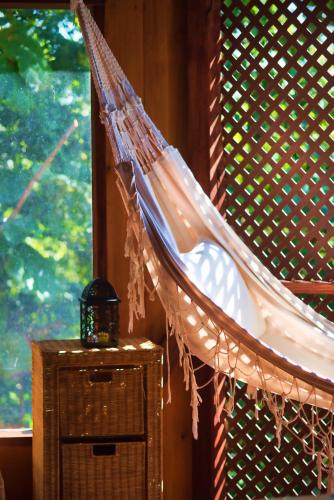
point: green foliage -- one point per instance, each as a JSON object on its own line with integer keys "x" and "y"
{"x": 45, "y": 251}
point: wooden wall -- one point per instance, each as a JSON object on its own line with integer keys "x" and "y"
{"x": 149, "y": 39}
{"x": 16, "y": 467}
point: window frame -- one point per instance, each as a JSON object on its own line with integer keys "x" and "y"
{"x": 99, "y": 172}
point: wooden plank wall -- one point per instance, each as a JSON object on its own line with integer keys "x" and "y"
{"x": 149, "y": 39}
{"x": 16, "y": 467}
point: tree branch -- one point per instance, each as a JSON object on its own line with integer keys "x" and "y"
{"x": 39, "y": 173}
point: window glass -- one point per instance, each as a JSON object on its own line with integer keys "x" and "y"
{"x": 45, "y": 192}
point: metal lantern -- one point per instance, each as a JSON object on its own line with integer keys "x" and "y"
{"x": 99, "y": 313}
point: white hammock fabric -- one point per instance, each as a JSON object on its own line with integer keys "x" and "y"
{"x": 221, "y": 303}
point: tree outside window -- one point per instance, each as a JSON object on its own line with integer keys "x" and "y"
{"x": 45, "y": 192}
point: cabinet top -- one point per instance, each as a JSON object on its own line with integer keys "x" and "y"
{"x": 125, "y": 345}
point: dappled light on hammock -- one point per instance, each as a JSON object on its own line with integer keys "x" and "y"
{"x": 222, "y": 305}
{"x": 212, "y": 270}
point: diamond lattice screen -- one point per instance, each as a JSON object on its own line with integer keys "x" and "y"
{"x": 277, "y": 100}
{"x": 276, "y": 188}
{"x": 255, "y": 466}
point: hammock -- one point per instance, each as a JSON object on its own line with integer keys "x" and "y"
{"x": 222, "y": 305}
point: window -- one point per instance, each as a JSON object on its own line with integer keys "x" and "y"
{"x": 45, "y": 198}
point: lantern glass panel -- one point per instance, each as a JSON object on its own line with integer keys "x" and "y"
{"x": 99, "y": 315}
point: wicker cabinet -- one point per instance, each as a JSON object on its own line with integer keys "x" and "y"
{"x": 97, "y": 421}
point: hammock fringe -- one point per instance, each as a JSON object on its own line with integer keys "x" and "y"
{"x": 134, "y": 251}
{"x": 199, "y": 325}
{"x": 174, "y": 328}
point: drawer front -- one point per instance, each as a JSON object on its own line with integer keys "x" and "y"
{"x": 109, "y": 471}
{"x": 101, "y": 402}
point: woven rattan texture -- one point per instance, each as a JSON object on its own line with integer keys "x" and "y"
{"x": 277, "y": 107}
{"x": 86, "y": 398}
{"x": 105, "y": 402}
{"x": 255, "y": 466}
{"x": 87, "y": 475}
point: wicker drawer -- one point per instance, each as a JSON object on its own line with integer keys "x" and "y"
{"x": 104, "y": 471}
{"x": 102, "y": 401}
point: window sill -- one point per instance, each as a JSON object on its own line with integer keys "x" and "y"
{"x": 15, "y": 433}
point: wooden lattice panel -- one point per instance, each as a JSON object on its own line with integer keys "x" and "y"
{"x": 323, "y": 304}
{"x": 276, "y": 187}
{"x": 277, "y": 100}
{"x": 256, "y": 467}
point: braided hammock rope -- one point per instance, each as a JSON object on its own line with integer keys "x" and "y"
{"x": 221, "y": 303}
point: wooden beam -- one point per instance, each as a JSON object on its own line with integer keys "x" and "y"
{"x": 42, "y": 4}
{"x": 204, "y": 108}
{"x": 99, "y": 174}
{"x": 310, "y": 287}
{"x": 203, "y": 30}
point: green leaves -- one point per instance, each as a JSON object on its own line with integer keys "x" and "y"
{"x": 46, "y": 249}
{"x": 15, "y": 231}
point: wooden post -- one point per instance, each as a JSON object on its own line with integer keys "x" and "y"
{"x": 205, "y": 155}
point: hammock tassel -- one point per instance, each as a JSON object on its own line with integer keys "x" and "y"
{"x": 215, "y": 380}
{"x": 174, "y": 327}
{"x": 257, "y": 406}
{"x": 173, "y": 330}
{"x": 135, "y": 252}
{"x": 230, "y": 402}
{"x": 229, "y": 405}
{"x": 319, "y": 469}
{"x": 251, "y": 391}
{"x": 278, "y": 430}
{"x": 330, "y": 487}
{"x": 252, "y": 394}
{"x": 169, "y": 392}
{"x": 219, "y": 396}
{"x": 195, "y": 402}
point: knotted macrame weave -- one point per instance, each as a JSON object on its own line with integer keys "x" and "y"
{"x": 222, "y": 305}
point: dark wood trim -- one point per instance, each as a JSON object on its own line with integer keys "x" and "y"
{"x": 198, "y": 98}
{"x": 42, "y": 4}
{"x": 203, "y": 452}
{"x": 203, "y": 31}
{"x": 99, "y": 175}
